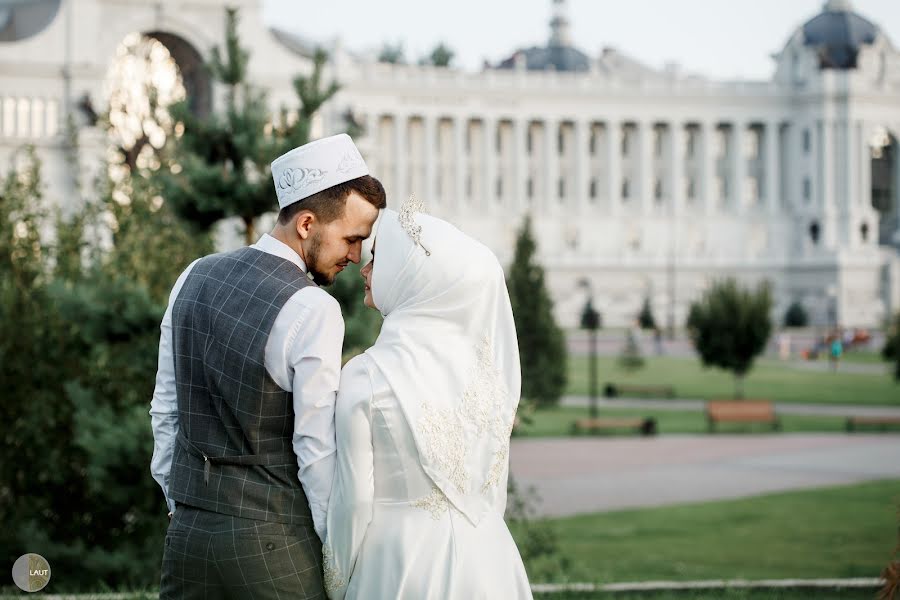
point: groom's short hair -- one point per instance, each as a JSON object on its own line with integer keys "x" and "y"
{"x": 328, "y": 204}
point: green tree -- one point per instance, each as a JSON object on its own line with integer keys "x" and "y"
{"x": 79, "y": 331}
{"x": 891, "y": 350}
{"x": 730, "y": 326}
{"x": 441, "y": 56}
{"x": 220, "y": 166}
{"x": 392, "y": 54}
{"x": 796, "y": 316}
{"x": 645, "y": 317}
{"x": 542, "y": 345}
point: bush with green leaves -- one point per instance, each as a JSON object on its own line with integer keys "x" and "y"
{"x": 542, "y": 345}
{"x": 730, "y": 326}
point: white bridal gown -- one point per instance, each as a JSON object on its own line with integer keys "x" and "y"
{"x": 391, "y": 533}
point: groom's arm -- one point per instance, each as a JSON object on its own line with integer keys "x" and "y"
{"x": 314, "y": 361}
{"x": 164, "y": 405}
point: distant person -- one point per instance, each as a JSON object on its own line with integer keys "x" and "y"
{"x": 837, "y": 349}
{"x": 784, "y": 345}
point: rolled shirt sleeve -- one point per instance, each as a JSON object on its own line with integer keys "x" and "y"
{"x": 164, "y": 405}
{"x": 312, "y": 360}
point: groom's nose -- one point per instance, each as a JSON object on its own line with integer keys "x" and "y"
{"x": 355, "y": 252}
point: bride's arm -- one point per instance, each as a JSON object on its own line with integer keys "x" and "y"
{"x": 350, "y": 508}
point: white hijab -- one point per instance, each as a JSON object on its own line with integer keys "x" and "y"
{"x": 449, "y": 351}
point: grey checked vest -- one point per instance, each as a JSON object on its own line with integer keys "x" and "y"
{"x": 234, "y": 452}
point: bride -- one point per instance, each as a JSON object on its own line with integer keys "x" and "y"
{"x": 423, "y": 420}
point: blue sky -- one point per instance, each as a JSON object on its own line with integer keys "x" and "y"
{"x": 723, "y": 39}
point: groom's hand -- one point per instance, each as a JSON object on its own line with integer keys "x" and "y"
{"x": 170, "y": 515}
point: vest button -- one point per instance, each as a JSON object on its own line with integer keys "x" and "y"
{"x": 270, "y": 546}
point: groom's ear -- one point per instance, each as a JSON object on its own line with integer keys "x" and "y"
{"x": 304, "y": 223}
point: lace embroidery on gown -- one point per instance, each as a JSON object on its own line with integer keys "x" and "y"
{"x": 443, "y": 431}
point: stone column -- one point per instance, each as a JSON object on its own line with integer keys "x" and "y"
{"x": 581, "y": 153}
{"x": 644, "y": 166}
{"x": 614, "y": 165}
{"x": 520, "y": 179}
{"x": 459, "y": 147}
{"x": 551, "y": 166}
{"x": 676, "y": 167}
{"x": 772, "y": 169}
{"x": 430, "y": 156}
{"x": 738, "y": 167}
{"x": 489, "y": 162}
{"x": 401, "y": 179}
{"x": 708, "y": 188}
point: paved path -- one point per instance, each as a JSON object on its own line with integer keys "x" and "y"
{"x": 787, "y": 408}
{"x": 575, "y": 476}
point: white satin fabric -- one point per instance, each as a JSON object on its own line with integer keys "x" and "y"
{"x": 423, "y": 420}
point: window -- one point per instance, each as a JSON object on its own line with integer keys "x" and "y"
{"x": 690, "y": 143}
{"x": 751, "y": 189}
{"x": 807, "y": 191}
{"x": 593, "y": 190}
{"x": 806, "y": 141}
{"x": 468, "y": 139}
{"x": 499, "y": 187}
{"x": 561, "y": 141}
{"x": 657, "y": 142}
{"x": 529, "y": 141}
{"x": 691, "y": 191}
{"x": 864, "y": 232}
{"x": 499, "y": 140}
{"x": 626, "y": 189}
{"x": 530, "y": 188}
{"x": 469, "y": 186}
{"x": 593, "y": 142}
{"x": 625, "y": 139}
{"x": 658, "y": 191}
{"x": 561, "y": 188}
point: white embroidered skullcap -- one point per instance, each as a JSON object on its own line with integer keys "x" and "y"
{"x": 316, "y": 166}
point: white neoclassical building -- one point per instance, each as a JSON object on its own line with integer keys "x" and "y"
{"x": 644, "y": 183}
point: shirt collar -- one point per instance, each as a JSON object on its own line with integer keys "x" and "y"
{"x": 272, "y": 246}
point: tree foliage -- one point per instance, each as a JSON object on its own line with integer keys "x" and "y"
{"x": 542, "y": 345}
{"x": 796, "y": 316}
{"x": 730, "y": 326}
{"x": 220, "y": 166}
{"x": 891, "y": 350}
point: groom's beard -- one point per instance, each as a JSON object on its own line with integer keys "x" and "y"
{"x": 323, "y": 279}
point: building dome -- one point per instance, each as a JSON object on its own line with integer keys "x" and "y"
{"x": 837, "y": 34}
{"x": 558, "y": 55}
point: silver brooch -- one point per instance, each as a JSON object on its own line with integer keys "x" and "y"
{"x": 408, "y": 220}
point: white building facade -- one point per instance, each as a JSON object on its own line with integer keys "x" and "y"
{"x": 642, "y": 183}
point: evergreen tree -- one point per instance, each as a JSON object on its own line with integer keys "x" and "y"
{"x": 219, "y": 166}
{"x": 645, "y": 318}
{"x": 542, "y": 345}
{"x": 730, "y": 326}
{"x": 796, "y": 316}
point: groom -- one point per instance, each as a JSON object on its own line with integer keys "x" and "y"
{"x": 249, "y": 360}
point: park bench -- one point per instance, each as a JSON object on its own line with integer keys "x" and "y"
{"x": 644, "y": 425}
{"x": 882, "y": 423}
{"x": 741, "y": 411}
{"x": 614, "y": 390}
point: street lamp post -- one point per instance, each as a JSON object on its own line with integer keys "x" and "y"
{"x": 590, "y": 320}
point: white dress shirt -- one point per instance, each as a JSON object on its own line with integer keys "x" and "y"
{"x": 303, "y": 355}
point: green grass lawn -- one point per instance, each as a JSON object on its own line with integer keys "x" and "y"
{"x": 557, "y": 422}
{"x": 838, "y": 532}
{"x": 865, "y": 594}
{"x": 768, "y": 379}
